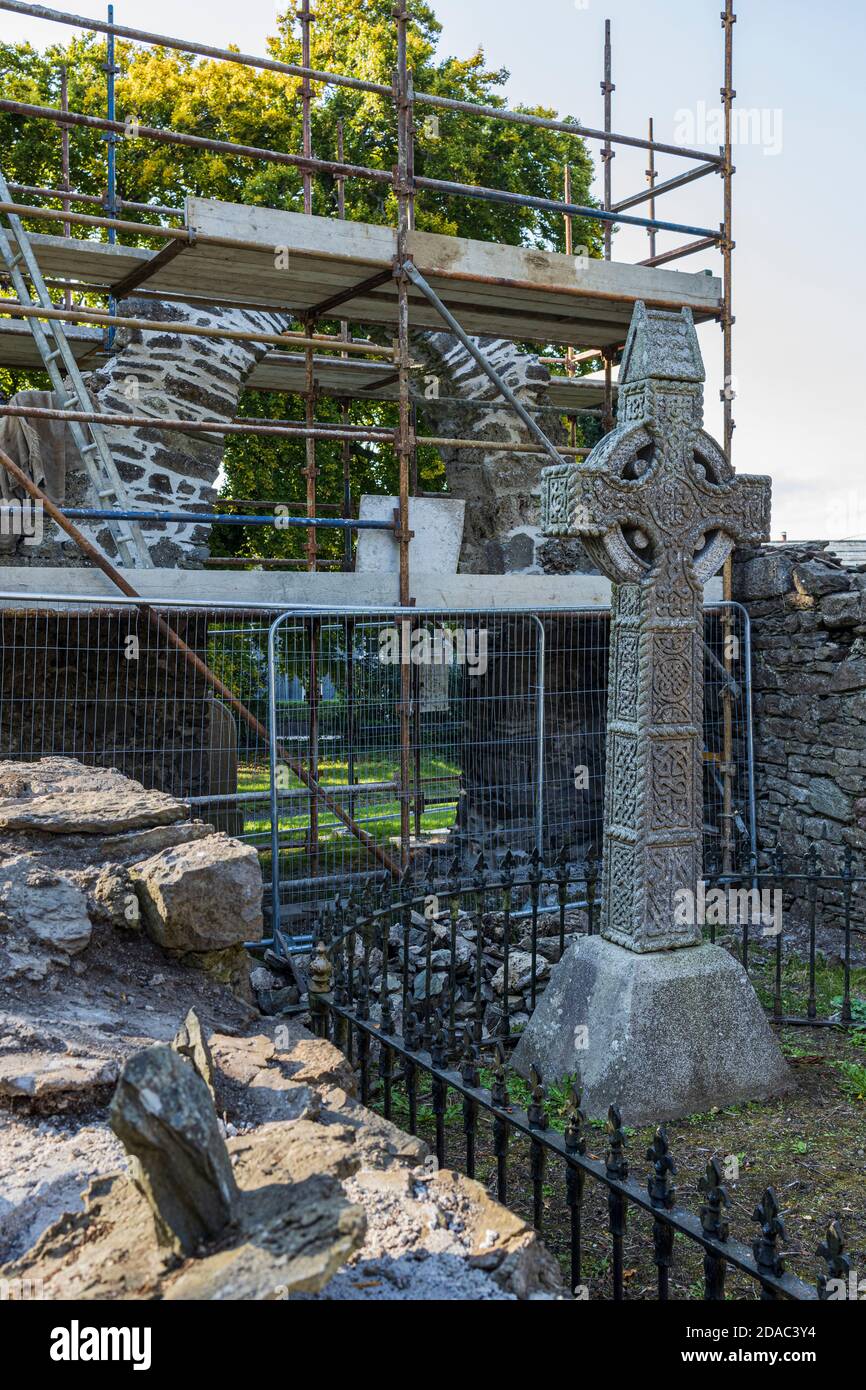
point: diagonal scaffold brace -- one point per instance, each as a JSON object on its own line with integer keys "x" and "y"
{"x": 417, "y": 279}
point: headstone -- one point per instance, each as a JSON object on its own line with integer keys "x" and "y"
{"x": 659, "y": 509}
{"x": 222, "y": 753}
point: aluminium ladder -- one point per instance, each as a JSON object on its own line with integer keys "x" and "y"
{"x": 54, "y": 349}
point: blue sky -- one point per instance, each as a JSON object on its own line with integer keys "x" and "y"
{"x": 799, "y": 296}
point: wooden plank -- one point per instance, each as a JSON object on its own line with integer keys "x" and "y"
{"x": 508, "y": 291}
{"x": 248, "y": 275}
{"x": 285, "y": 371}
{"x": 93, "y": 262}
{"x": 18, "y": 349}
{"x": 227, "y": 280}
{"x": 451, "y": 257}
{"x": 280, "y": 371}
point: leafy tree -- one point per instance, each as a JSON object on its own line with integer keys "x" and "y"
{"x": 228, "y": 102}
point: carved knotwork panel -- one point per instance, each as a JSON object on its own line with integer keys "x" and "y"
{"x": 627, "y": 601}
{"x": 558, "y": 490}
{"x": 674, "y": 595}
{"x": 633, "y": 405}
{"x": 672, "y": 699}
{"x": 672, "y": 784}
{"x": 625, "y": 690}
{"x": 669, "y": 868}
{"x": 674, "y": 506}
{"x": 754, "y": 501}
{"x": 619, "y": 884}
{"x": 675, "y": 408}
{"x": 623, "y": 754}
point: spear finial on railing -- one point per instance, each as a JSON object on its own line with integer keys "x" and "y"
{"x": 536, "y": 1110}
{"x": 660, "y": 1186}
{"x": 320, "y": 973}
{"x": 575, "y": 1141}
{"x": 412, "y": 1032}
{"x": 615, "y": 1160}
{"x": 718, "y": 1199}
{"x": 499, "y": 1089}
{"x": 468, "y": 1064}
{"x": 838, "y": 1264}
{"x": 765, "y": 1247}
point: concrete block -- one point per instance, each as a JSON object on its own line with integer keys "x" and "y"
{"x": 435, "y": 546}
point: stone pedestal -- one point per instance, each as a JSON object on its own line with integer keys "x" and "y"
{"x": 658, "y": 1035}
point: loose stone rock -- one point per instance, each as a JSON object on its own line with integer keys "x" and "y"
{"x": 202, "y": 896}
{"x": 163, "y": 1114}
{"x": 61, "y": 797}
{"x": 191, "y": 1043}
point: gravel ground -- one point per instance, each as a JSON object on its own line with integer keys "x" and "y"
{"x": 415, "y": 1248}
{"x": 45, "y": 1167}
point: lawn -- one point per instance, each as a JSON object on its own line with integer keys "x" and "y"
{"x": 378, "y": 810}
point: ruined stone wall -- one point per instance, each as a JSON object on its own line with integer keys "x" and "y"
{"x": 502, "y": 535}
{"x": 809, "y": 662}
{"x": 170, "y": 376}
{"x": 502, "y": 532}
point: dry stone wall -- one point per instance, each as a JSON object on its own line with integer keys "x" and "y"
{"x": 809, "y": 670}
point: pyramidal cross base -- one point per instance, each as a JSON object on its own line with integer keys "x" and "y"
{"x": 659, "y": 1035}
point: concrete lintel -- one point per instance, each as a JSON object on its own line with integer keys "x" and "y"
{"x": 279, "y": 590}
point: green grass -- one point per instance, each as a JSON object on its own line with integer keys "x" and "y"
{"x": 426, "y": 1113}
{"x": 829, "y": 984}
{"x": 520, "y": 1095}
{"x": 795, "y": 985}
{"x": 808, "y": 1144}
{"x": 336, "y": 843}
{"x": 853, "y": 1079}
{"x": 858, "y": 1012}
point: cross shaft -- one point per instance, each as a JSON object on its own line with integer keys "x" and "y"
{"x": 659, "y": 509}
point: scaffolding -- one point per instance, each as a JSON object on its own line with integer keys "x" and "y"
{"x": 394, "y": 278}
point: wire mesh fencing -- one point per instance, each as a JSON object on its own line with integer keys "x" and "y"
{"x": 422, "y": 734}
{"x": 173, "y": 697}
{"x": 438, "y": 735}
{"x": 368, "y": 740}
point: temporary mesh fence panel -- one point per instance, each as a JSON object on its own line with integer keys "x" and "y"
{"x": 108, "y": 686}
{"x": 400, "y": 735}
{"x": 425, "y": 730}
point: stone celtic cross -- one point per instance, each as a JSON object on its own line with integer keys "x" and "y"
{"x": 659, "y": 510}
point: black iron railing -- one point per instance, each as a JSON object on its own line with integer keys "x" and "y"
{"x": 822, "y": 891}
{"x": 429, "y": 1041}
{"x": 526, "y": 894}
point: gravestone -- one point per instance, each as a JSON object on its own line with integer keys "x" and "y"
{"x": 646, "y": 1015}
{"x": 222, "y": 752}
